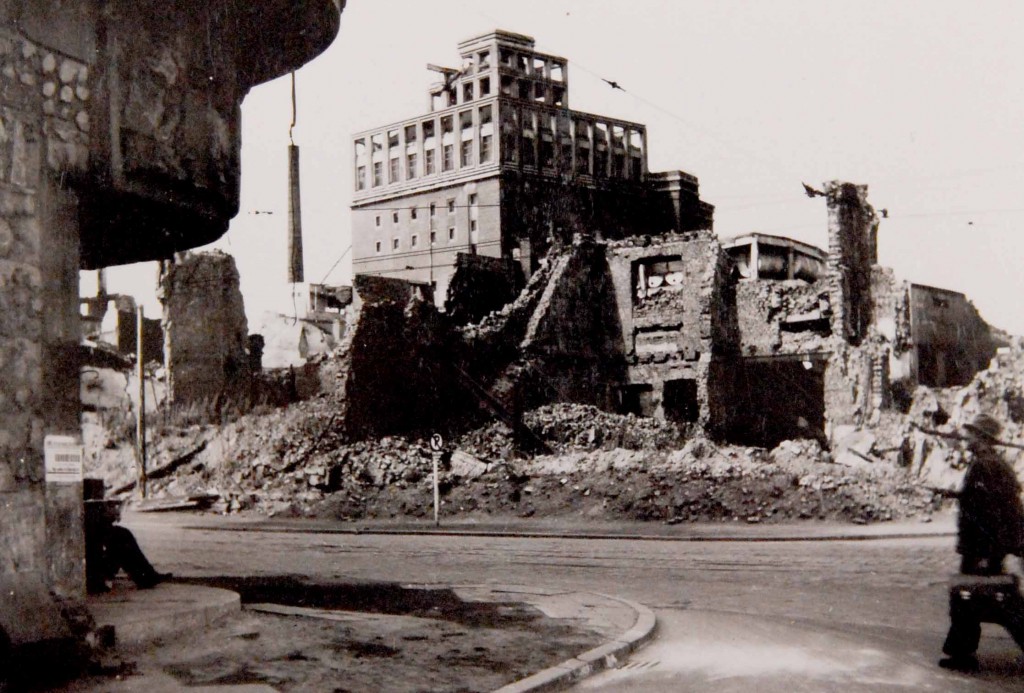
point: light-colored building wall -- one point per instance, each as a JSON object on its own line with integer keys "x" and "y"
{"x": 388, "y": 240}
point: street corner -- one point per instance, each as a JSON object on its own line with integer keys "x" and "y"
{"x": 735, "y": 652}
{"x": 623, "y": 625}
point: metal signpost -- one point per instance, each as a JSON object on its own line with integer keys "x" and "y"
{"x": 436, "y": 445}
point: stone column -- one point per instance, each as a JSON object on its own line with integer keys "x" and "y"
{"x": 43, "y": 147}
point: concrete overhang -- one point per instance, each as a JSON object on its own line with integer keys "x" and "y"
{"x": 156, "y": 166}
{"x": 278, "y": 36}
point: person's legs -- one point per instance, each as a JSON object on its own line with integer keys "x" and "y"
{"x": 964, "y": 626}
{"x": 124, "y": 553}
{"x": 1013, "y": 617}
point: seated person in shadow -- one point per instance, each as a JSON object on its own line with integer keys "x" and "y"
{"x": 110, "y": 548}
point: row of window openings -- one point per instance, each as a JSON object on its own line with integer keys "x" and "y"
{"x": 414, "y": 240}
{"x": 522, "y": 62}
{"x": 414, "y": 212}
{"x": 546, "y": 151}
{"x": 426, "y": 128}
{"x": 526, "y": 89}
{"x": 430, "y": 153}
{"x": 466, "y": 160}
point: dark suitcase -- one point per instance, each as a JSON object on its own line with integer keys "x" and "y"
{"x": 985, "y": 597}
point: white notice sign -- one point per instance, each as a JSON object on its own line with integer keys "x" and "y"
{"x": 63, "y": 456}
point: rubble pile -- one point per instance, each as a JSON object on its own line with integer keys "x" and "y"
{"x": 572, "y": 427}
{"x": 936, "y": 419}
{"x": 299, "y": 460}
{"x": 294, "y": 461}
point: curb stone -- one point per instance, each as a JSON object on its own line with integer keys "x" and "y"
{"x": 606, "y": 656}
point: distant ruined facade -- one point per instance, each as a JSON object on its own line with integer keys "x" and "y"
{"x": 755, "y": 340}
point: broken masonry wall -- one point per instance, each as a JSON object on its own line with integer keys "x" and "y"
{"x": 783, "y": 317}
{"x": 672, "y": 308}
{"x": 402, "y": 357}
{"x": 375, "y": 289}
{"x": 891, "y": 334}
{"x": 152, "y": 336}
{"x": 951, "y": 340}
{"x": 494, "y": 342}
{"x": 480, "y": 285}
{"x": 205, "y": 329}
{"x": 852, "y": 251}
{"x": 572, "y": 349}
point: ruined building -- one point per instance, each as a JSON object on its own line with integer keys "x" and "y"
{"x": 204, "y": 326}
{"x": 502, "y": 168}
{"x": 119, "y": 142}
{"x": 577, "y": 275}
{"x": 756, "y": 340}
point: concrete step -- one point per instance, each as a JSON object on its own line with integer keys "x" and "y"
{"x": 141, "y": 616}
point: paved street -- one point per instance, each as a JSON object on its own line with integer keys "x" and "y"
{"x": 885, "y": 598}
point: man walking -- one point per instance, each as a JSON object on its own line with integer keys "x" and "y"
{"x": 990, "y": 526}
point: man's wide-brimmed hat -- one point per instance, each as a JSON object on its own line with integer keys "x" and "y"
{"x": 984, "y": 426}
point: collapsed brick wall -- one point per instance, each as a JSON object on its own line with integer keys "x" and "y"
{"x": 205, "y": 329}
{"x": 672, "y": 302}
{"x": 783, "y": 317}
{"x": 402, "y": 360}
{"x": 480, "y": 285}
{"x": 572, "y": 350}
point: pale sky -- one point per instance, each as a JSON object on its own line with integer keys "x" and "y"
{"x": 922, "y": 101}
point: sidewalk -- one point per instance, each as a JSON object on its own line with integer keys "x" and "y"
{"x": 153, "y": 618}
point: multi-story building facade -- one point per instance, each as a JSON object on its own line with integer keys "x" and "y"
{"x": 502, "y": 167}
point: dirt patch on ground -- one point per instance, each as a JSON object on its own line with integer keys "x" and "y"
{"x": 296, "y": 635}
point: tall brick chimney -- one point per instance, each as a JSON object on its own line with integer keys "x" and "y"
{"x": 852, "y": 251}
{"x": 295, "y": 273}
